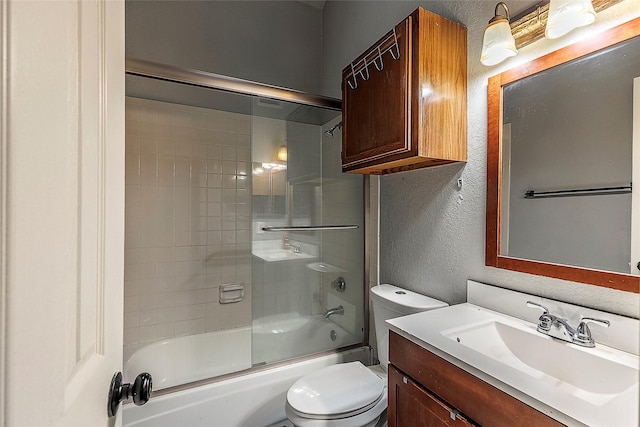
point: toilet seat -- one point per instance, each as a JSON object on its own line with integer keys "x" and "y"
{"x": 348, "y": 394}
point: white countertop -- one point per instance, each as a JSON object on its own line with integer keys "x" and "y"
{"x": 432, "y": 330}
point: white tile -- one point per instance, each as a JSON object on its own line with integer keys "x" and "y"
{"x": 214, "y": 223}
{"x": 131, "y": 319}
{"x": 214, "y": 180}
{"x": 214, "y": 152}
{"x": 148, "y": 333}
{"x": 131, "y": 336}
{"x": 228, "y": 237}
{"x": 228, "y": 224}
{"x": 242, "y": 168}
{"x": 214, "y": 238}
{"x": 214, "y": 195}
{"x": 199, "y": 238}
{"x": 229, "y": 153}
{"x": 165, "y": 147}
{"x": 183, "y": 149}
{"x": 165, "y": 330}
{"x": 229, "y": 195}
{"x": 229, "y": 167}
{"x": 229, "y": 182}
{"x": 131, "y": 304}
{"x": 148, "y": 317}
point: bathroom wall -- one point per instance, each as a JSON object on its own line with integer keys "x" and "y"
{"x": 187, "y": 219}
{"x": 274, "y": 42}
{"x": 432, "y": 234}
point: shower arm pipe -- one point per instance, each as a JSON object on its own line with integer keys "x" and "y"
{"x": 172, "y": 73}
{"x": 312, "y": 228}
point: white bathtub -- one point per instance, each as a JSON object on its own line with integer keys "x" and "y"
{"x": 253, "y": 400}
{"x": 288, "y": 335}
{"x": 191, "y": 358}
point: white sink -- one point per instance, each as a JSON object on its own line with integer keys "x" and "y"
{"x": 272, "y": 255}
{"x": 576, "y": 385}
{"x": 591, "y": 374}
{"x": 272, "y": 251}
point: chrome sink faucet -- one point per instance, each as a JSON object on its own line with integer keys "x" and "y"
{"x": 337, "y": 310}
{"x": 286, "y": 244}
{"x": 559, "y": 328}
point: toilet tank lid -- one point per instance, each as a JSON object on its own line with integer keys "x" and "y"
{"x": 403, "y": 300}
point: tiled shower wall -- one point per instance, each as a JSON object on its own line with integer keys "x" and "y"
{"x": 187, "y": 219}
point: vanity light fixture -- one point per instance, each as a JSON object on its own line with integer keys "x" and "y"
{"x": 547, "y": 18}
{"x": 567, "y": 15}
{"x": 498, "y": 43}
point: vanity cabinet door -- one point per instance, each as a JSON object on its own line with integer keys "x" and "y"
{"x": 405, "y": 98}
{"x": 484, "y": 403}
{"x": 411, "y": 405}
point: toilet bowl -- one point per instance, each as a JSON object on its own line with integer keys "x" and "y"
{"x": 343, "y": 395}
{"x": 351, "y": 394}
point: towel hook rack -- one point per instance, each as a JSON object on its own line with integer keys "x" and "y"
{"x": 375, "y": 56}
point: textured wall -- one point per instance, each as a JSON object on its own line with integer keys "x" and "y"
{"x": 274, "y": 42}
{"x": 431, "y": 232}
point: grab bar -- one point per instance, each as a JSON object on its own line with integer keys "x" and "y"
{"x": 312, "y": 228}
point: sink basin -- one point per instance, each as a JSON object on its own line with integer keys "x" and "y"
{"x": 577, "y": 386}
{"x": 271, "y": 255}
{"x": 564, "y": 365}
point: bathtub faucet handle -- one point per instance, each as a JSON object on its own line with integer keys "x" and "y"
{"x": 339, "y": 284}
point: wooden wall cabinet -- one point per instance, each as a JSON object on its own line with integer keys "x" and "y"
{"x": 426, "y": 390}
{"x": 405, "y": 99}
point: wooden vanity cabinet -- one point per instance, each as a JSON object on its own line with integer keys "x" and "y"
{"x": 412, "y": 405}
{"x": 410, "y": 112}
{"x": 426, "y": 390}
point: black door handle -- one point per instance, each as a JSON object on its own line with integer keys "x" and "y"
{"x": 140, "y": 391}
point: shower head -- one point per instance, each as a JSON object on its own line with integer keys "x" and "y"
{"x": 329, "y": 132}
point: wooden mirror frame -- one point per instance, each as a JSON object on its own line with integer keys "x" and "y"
{"x": 493, "y": 258}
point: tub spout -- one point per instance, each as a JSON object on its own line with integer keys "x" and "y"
{"x": 337, "y": 310}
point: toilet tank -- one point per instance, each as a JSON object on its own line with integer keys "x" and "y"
{"x": 389, "y": 302}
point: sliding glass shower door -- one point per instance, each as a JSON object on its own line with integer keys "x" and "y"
{"x": 308, "y": 234}
{"x": 230, "y": 261}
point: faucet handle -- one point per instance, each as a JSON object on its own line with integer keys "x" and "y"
{"x": 545, "y": 318}
{"x": 582, "y": 335}
{"x": 536, "y": 305}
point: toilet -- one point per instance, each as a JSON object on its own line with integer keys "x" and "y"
{"x": 351, "y": 394}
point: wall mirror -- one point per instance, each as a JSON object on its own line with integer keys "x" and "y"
{"x": 563, "y": 151}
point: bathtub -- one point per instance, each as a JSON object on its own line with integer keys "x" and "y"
{"x": 283, "y": 336}
{"x": 191, "y": 358}
{"x": 253, "y": 400}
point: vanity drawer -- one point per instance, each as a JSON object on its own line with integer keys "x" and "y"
{"x": 479, "y": 400}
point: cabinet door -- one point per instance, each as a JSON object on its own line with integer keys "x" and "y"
{"x": 412, "y": 406}
{"x": 376, "y": 113}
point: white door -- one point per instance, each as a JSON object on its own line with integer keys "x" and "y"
{"x": 62, "y": 207}
{"x": 635, "y": 182}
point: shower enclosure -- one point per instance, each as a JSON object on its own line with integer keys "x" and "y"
{"x": 244, "y": 241}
